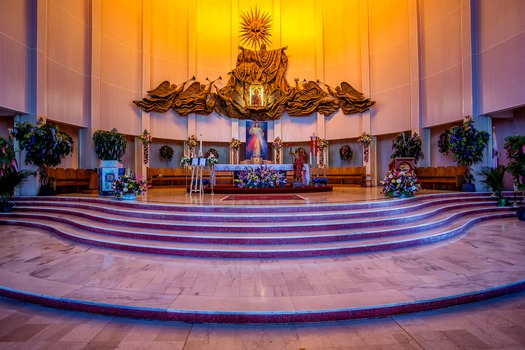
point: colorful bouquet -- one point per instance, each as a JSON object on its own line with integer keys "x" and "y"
{"x": 235, "y": 144}
{"x": 278, "y": 143}
{"x": 128, "y": 184}
{"x": 185, "y": 161}
{"x": 166, "y": 153}
{"x": 146, "y": 137}
{"x": 400, "y": 184}
{"x": 322, "y": 143}
{"x": 262, "y": 177}
{"x": 192, "y": 142}
{"x": 320, "y": 181}
{"x": 211, "y": 159}
{"x": 346, "y": 153}
{"x": 365, "y": 139}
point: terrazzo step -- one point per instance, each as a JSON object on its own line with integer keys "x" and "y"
{"x": 312, "y": 222}
{"x": 472, "y": 268}
{"x": 278, "y": 247}
{"x": 277, "y": 216}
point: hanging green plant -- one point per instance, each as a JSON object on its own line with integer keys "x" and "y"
{"x": 407, "y": 144}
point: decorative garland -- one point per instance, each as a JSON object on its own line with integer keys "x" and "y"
{"x": 146, "y": 139}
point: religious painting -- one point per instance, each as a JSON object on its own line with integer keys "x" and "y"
{"x": 256, "y": 144}
{"x": 256, "y": 95}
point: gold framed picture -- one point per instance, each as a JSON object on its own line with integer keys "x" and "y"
{"x": 256, "y": 95}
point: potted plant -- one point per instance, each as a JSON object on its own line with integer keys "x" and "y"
{"x": 407, "y": 145}
{"x": 45, "y": 146}
{"x": 110, "y": 147}
{"x": 10, "y": 176}
{"x": 493, "y": 178}
{"x": 515, "y": 147}
{"x": 466, "y": 144}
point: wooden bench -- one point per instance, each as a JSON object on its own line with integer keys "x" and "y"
{"x": 450, "y": 177}
{"x": 346, "y": 175}
{"x": 179, "y": 177}
{"x": 71, "y": 180}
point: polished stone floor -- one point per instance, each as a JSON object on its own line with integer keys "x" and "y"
{"x": 491, "y": 324}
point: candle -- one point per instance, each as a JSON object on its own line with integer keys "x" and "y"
{"x": 200, "y": 148}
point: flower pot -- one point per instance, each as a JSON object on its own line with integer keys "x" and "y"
{"x": 128, "y": 197}
{"x": 468, "y": 187}
{"x": 6, "y": 207}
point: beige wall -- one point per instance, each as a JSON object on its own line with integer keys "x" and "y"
{"x": 414, "y": 57}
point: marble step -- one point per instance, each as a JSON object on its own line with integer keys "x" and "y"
{"x": 277, "y": 247}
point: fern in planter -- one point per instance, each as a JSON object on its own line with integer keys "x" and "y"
{"x": 109, "y": 145}
{"x": 407, "y": 145}
{"x": 493, "y": 178}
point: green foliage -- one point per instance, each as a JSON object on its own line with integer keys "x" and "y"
{"x": 493, "y": 178}
{"x": 515, "y": 146}
{"x": 45, "y": 145}
{"x": 466, "y": 144}
{"x": 109, "y": 145}
{"x": 166, "y": 153}
{"x": 407, "y": 145}
{"x": 10, "y": 176}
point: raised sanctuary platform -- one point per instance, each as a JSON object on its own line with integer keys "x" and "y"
{"x": 324, "y": 256}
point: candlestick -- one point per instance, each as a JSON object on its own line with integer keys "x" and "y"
{"x": 200, "y": 148}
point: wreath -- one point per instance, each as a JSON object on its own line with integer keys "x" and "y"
{"x": 346, "y": 153}
{"x": 212, "y": 151}
{"x": 166, "y": 153}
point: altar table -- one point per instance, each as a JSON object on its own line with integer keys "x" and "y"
{"x": 240, "y": 167}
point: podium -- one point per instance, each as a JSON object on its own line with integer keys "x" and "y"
{"x": 406, "y": 164}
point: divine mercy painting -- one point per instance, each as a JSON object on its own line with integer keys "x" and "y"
{"x": 256, "y": 144}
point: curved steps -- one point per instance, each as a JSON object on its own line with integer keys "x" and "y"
{"x": 471, "y": 269}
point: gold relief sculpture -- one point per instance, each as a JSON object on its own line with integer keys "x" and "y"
{"x": 255, "y": 28}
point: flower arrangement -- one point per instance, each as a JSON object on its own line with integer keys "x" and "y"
{"x": 128, "y": 184}
{"x": 235, "y": 144}
{"x": 211, "y": 159}
{"x": 515, "y": 146}
{"x": 192, "y": 142}
{"x": 278, "y": 143}
{"x": 407, "y": 144}
{"x": 467, "y": 145}
{"x": 399, "y": 183}
{"x": 320, "y": 181}
{"x": 205, "y": 183}
{"x": 166, "y": 153}
{"x": 109, "y": 145}
{"x": 185, "y": 161}
{"x": 261, "y": 177}
{"x": 322, "y": 143}
{"x": 146, "y": 137}
{"x": 365, "y": 139}
{"x": 45, "y": 146}
{"x": 10, "y": 176}
{"x": 346, "y": 153}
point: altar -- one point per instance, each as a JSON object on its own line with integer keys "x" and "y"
{"x": 240, "y": 167}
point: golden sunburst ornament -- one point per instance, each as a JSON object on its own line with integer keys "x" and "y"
{"x": 255, "y": 28}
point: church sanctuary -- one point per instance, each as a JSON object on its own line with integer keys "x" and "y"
{"x": 262, "y": 174}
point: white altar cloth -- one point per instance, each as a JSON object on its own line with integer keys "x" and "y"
{"x": 278, "y": 167}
